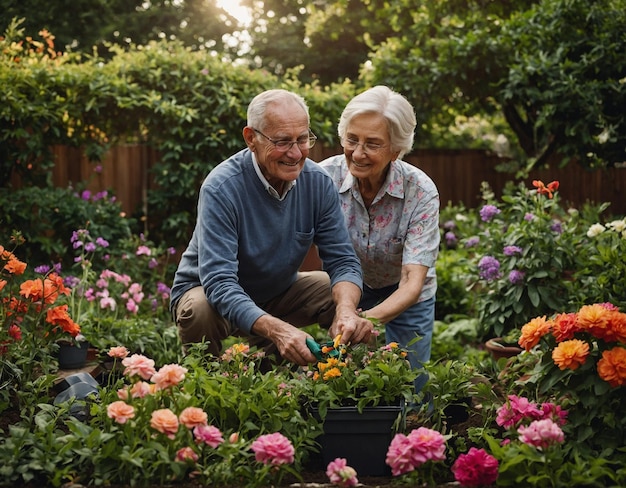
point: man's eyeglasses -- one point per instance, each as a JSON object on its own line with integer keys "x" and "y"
{"x": 305, "y": 142}
{"x": 367, "y": 147}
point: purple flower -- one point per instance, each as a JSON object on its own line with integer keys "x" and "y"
{"x": 85, "y": 195}
{"x": 472, "y": 241}
{"x": 171, "y": 250}
{"x": 43, "y": 269}
{"x": 449, "y": 225}
{"x": 102, "y": 242}
{"x": 153, "y": 263}
{"x": 511, "y": 250}
{"x": 529, "y": 217}
{"x": 488, "y": 212}
{"x": 143, "y": 251}
{"x": 90, "y": 247}
{"x": 516, "y": 277}
{"x": 450, "y": 239}
{"x": 489, "y": 268}
{"x": 71, "y": 281}
{"x": 556, "y": 227}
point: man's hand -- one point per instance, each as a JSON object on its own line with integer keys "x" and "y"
{"x": 347, "y": 322}
{"x": 290, "y": 341}
{"x": 353, "y": 328}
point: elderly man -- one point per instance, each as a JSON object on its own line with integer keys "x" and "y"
{"x": 259, "y": 212}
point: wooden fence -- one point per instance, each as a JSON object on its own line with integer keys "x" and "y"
{"x": 457, "y": 174}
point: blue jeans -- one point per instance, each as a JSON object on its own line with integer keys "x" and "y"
{"x": 417, "y": 320}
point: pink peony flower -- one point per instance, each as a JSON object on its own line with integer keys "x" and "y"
{"x": 515, "y": 410}
{"x": 165, "y": 421}
{"x": 120, "y": 411}
{"x": 273, "y": 449}
{"x": 169, "y": 375}
{"x": 541, "y": 434}
{"x": 193, "y": 417}
{"x": 409, "y": 452}
{"x": 340, "y": 474}
{"x": 185, "y": 454}
{"x": 208, "y": 434}
{"x": 139, "y": 365}
{"x": 119, "y": 352}
{"x": 476, "y": 468}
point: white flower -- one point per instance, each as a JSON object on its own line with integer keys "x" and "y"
{"x": 595, "y": 230}
{"x": 617, "y": 225}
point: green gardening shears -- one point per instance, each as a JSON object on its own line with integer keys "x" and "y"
{"x": 316, "y": 349}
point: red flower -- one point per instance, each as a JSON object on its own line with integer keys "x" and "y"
{"x": 546, "y": 190}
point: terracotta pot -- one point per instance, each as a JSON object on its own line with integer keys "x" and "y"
{"x": 500, "y": 349}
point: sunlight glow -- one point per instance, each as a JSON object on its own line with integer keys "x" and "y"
{"x": 242, "y": 14}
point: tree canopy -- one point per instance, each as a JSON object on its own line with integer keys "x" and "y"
{"x": 555, "y": 68}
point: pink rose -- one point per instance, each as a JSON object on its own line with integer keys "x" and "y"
{"x": 193, "y": 417}
{"x": 120, "y": 411}
{"x": 165, "y": 421}
{"x": 273, "y": 449}
{"x": 406, "y": 453}
{"x": 119, "y": 352}
{"x": 139, "y": 365}
{"x": 208, "y": 434}
{"x": 340, "y": 474}
{"x": 169, "y": 375}
{"x": 541, "y": 434}
{"x": 185, "y": 454}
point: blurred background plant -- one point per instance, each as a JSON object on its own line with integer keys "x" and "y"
{"x": 523, "y": 256}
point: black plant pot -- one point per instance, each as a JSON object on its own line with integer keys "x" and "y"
{"x": 73, "y": 355}
{"x": 457, "y": 412}
{"x": 362, "y": 438}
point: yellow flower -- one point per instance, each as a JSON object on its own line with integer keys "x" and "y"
{"x": 337, "y": 341}
{"x": 570, "y": 354}
{"x": 332, "y": 373}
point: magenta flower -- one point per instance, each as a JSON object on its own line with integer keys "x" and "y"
{"x": 541, "y": 434}
{"x": 209, "y": 435}
{"x": 340, "y": 474}
{"x": 274, "y": 449}
{"x": 476, "y": 468}
{"x": 515, "y": 410}
{"x": 406, "y": 453}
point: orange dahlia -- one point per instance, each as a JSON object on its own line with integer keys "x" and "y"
{"x": 612, "y": 366}
{"x": 533, "y": 331}
{"x": 570, "y": 354}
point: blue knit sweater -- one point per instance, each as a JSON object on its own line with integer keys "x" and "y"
{"x": 247, "y": 246}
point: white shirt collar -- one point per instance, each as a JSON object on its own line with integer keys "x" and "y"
{"x": 270, "y": 189}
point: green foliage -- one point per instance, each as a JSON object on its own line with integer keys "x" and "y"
{"x": 47, "y": 217}
{"x": 554, "y": 69}
{"x": 524, "y": 254}
{"x": 199, "y": 23}
{"x": 601, "y": 267}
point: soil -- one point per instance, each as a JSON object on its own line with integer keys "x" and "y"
{"x": 314, "y": 475}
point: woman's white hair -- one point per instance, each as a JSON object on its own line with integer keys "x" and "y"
{"x": 396, "y": 110}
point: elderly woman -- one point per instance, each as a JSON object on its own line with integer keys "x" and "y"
{"x": 392, "y": 212}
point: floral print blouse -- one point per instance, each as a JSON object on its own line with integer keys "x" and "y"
{"x": 400, "y": 227}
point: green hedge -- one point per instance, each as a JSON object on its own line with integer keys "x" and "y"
{"x": 189, "y": 105}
